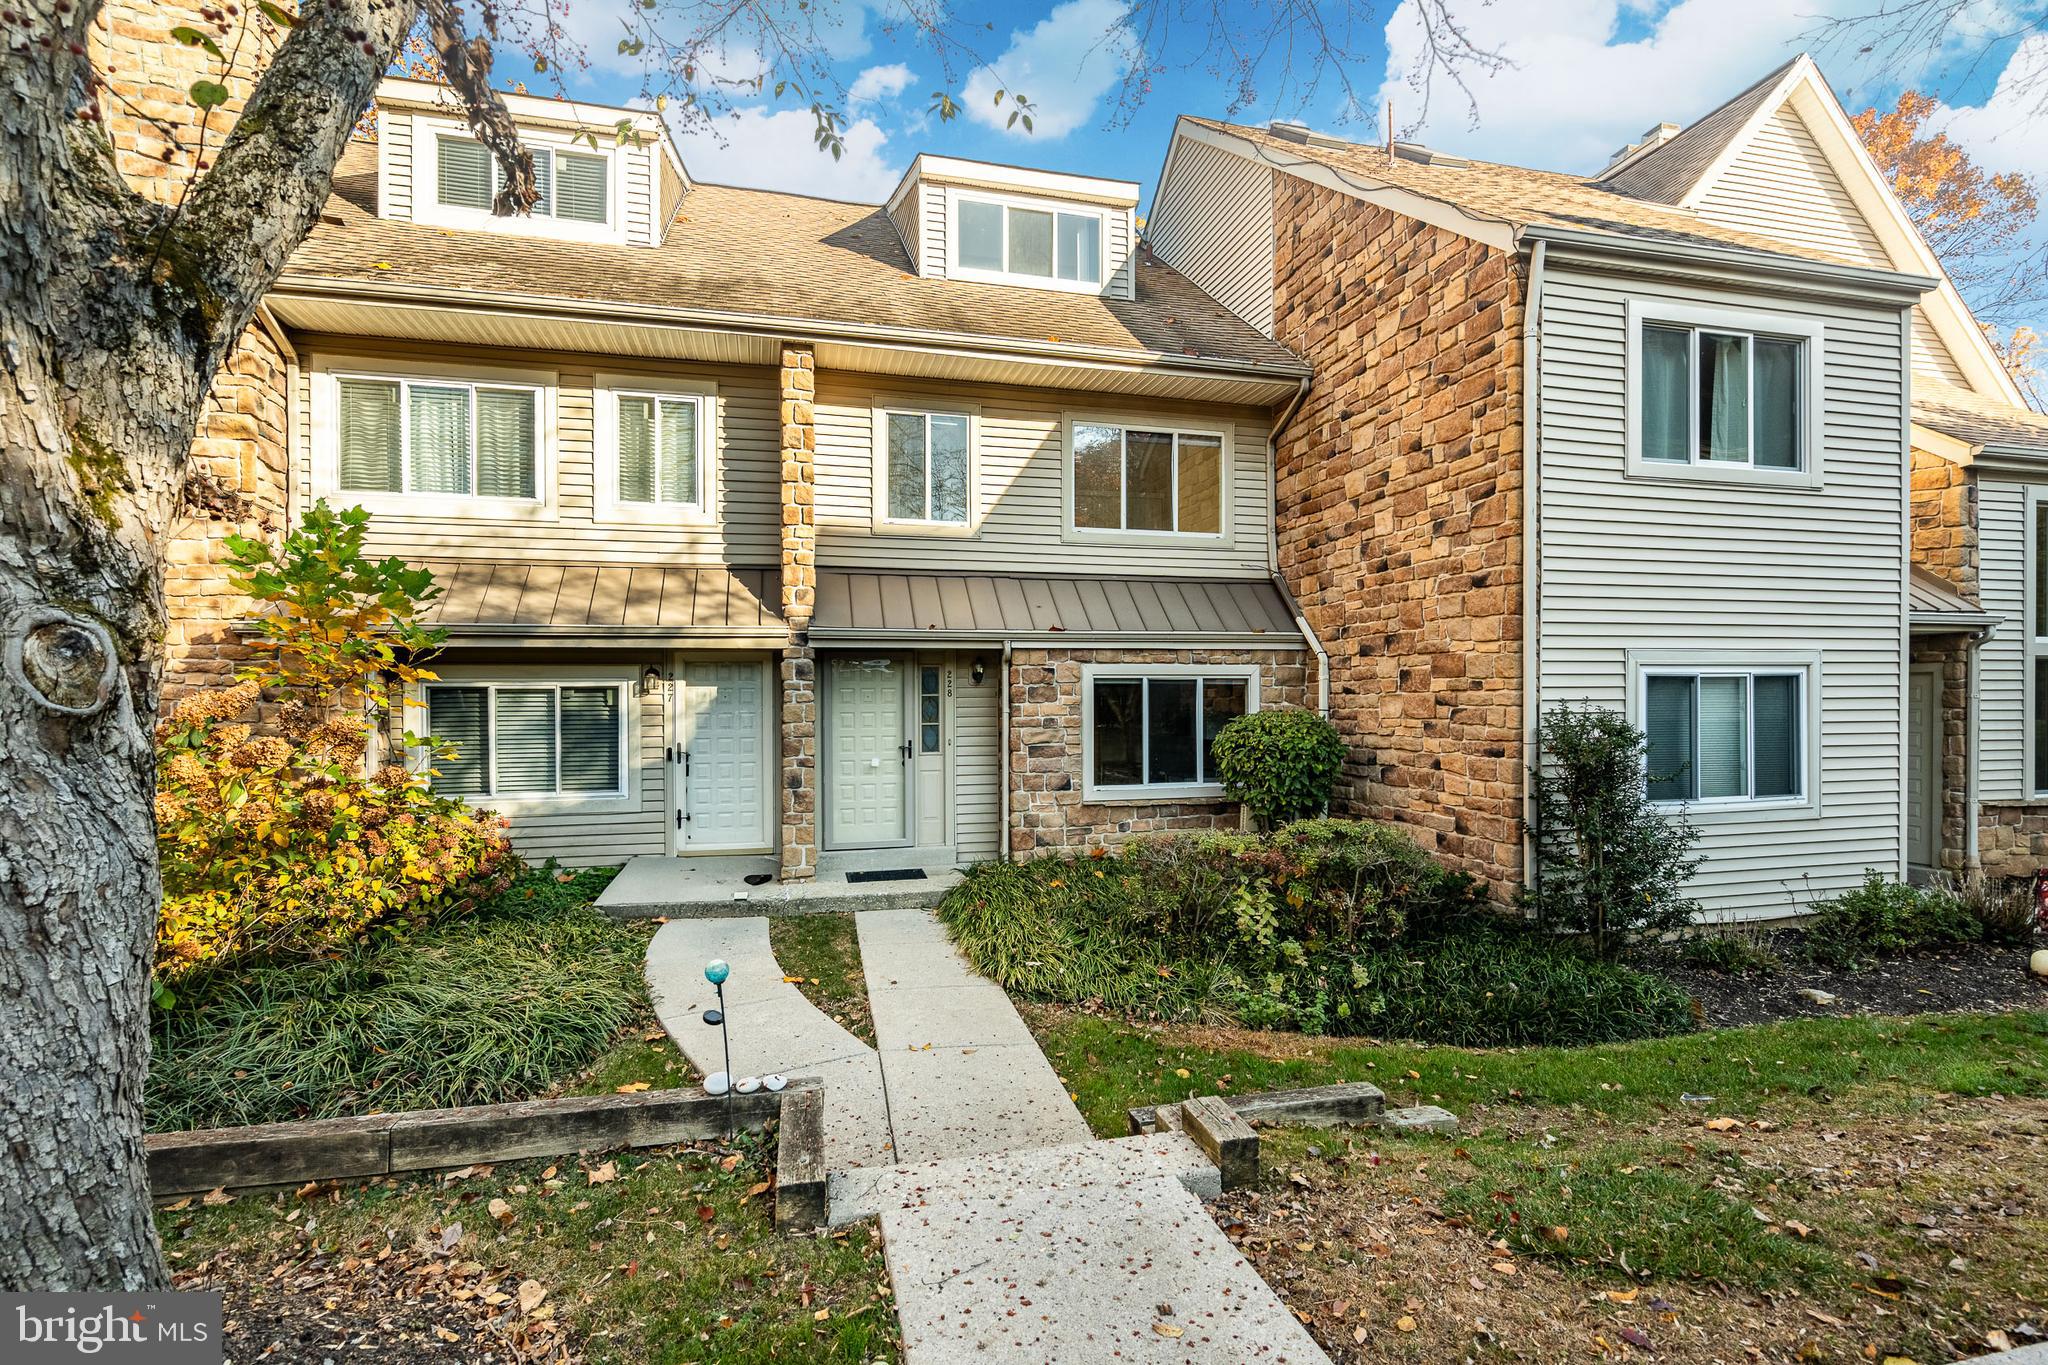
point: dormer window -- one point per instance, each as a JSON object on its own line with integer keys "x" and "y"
{"x": 573, "y": 185}
{"x": 1020, "y": 243}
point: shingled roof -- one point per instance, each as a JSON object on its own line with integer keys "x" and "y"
{"x": 1666, "y": 173}
{"x": 772, "y": 256}
{"x": 1984, "y": 422}
{"x": 1514, "y": 195}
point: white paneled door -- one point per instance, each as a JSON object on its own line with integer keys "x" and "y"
{"x": 722, "y": 768}
{"x": 867, "y": 765}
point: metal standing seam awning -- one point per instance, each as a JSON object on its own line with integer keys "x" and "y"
{"x": 507, "y": 602}
{"x": 862, "y": 606}
{"x": 1934, "y": 608}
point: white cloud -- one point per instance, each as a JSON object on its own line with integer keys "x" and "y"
{"x": 880, "y": 83}
{"x": 776, "y": 149}
{"x": 1063, "y": 65}
{"x": 1577, "y": 90}
{"x": 2004, "y": 133}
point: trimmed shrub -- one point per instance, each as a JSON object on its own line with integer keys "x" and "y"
{"x": 1283, "y": 764}
{"x": 496, "y": 1006}
{"x": 1886, "y": 918}
{"x": 1327, "y": 926}
{"x": 1610, "y": 864}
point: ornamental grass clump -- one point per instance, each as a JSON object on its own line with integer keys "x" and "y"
{"x": 274, "y": 839}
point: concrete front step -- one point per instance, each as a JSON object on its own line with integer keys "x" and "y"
{"x": 712, "y": 887}
{"x": 1081, "y": 1273}
{"x": 864, "y": 1193}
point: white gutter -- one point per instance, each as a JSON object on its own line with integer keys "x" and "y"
{"x": 773, "y": 327}
{"x": 1532, "y": 563}
{"x": 1862, "y": 278}
{"x": 1315, "y": 646}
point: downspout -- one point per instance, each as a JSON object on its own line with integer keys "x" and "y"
{"x": 1532, "y": 497}
{"x": 1273, "y": 549}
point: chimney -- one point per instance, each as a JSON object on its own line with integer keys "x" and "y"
{"x": 1292, "y": 129}
{"x": 1652, "y": 138}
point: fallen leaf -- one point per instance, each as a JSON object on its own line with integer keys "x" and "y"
{"x": 450, "y": 1235}
{"x": 603, "y": 1175}
{"x": 705, "y": 1213}
{"x": 1798, "y": 1227}
{"x": 184, "y": 1203}
{"x": 445, "y": 1334}
{"x": 501, "y": 1211}
{"x": 1166, "y": 1329}
{"x": 214, "y": 1198}
{"x": 1504, "y": 1267}
{"x": 821, "y": 1315}
{"x": 1722, "y": 1125}
{"x": 531, "y": 1292}
{"x": 1622, "y": 1295}
{"x": 1404, "y": 1323}
{"x": 1636, "y": 1339}
{"x": 634, "y": 1087}
{"x": 729, "y": 1162}
{"x": 1182, "y": 1072}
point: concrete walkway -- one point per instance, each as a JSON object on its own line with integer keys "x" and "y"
{"x": 963, "y": 1074}
{"x": 773, "y": 1029}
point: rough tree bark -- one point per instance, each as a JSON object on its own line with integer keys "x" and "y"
{"x": 114, "y": 315}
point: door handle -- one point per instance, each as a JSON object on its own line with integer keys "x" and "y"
{"x": 906, "y": 751}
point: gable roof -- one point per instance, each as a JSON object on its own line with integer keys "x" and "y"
{"x": 1506, "y": 199}
{"x": 1668, "y": 172}
{"x": 1991, "y": 426}
{"x": 737, "y": 257}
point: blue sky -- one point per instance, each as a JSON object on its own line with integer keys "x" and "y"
{"x": 1584, "y": 77}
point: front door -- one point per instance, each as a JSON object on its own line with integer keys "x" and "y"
{"x": 867, "y": 765}
{"x": 722, "y": 788}
{"x": 1923, "y": 773}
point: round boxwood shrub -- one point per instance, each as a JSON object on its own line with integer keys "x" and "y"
{"x": 1283, "y": 764}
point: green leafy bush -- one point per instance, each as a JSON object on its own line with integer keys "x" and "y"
{"x": 2002, "y": 906}
{"x": 1610, "y": 864}
{"x": 494, "y": 1006}
{"x": 1886, "y": 918}
{"x": 1327, "y": 926}
{"x": 1731, "y": 954}
{"x": 1283, "y": 764}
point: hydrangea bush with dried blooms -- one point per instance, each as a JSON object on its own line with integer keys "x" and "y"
{"x": 280, "y": 840}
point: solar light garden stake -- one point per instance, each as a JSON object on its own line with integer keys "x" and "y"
{"x": 716, "y": 971}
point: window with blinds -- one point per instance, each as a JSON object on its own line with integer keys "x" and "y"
{"x": 572, "y": 185}
{"x": 927, "y": 467}
{"x": 1030, "y": 244}
{"x": 527, "y": 739}
{"x": 436, "y": 437}
{"x": 660, "y": 450}
{"x": 1724, "y": 736}
{"x": 1720, "y": 398}
{"x": 1159, "y": 732}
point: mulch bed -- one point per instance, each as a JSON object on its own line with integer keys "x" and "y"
{"x": 399, "y": 1304}
{"x": 1973, "y": 978}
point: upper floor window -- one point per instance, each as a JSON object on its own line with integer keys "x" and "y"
{"x": 660, "y": 450}
{"x": 1029, "y": 244}
{"x": 436, "y": 437}
{"x": 1722, "y": 392}
{"x": 1724, "y": 735}
{"x": 927, "y": 468}
{"x": 1728, "y": 397}
{"x": 1151, "y": 481}
{"x": 572, "y": 185}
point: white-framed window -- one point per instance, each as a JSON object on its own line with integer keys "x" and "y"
{"x": 574, "y": 186}
{"x": 456, "y": 179}
{"x": 420, "y": 438}
{"x": 1024, "y": 241}
{"x": 656, "y": 449}
{"x": 1139, "y": 479}
{"x": 1725, "y": 735}
{"x": 1718, "y": 392}
{"x": 924, "y": 468}
{"x": 529, "y": 739}
{"x": 1149, "y": 730}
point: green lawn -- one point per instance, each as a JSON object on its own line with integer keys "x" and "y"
{"x": 1112, "y": 1064}
{"x": 656, "y": 1256}
{"x": 823, "y": 953}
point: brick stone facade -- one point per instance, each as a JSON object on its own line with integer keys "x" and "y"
{"x": 237, "y": 480}
{"x": 1048, "y": 806}
{"x": 1399, "y": 498}
{"x": 1944, "y": 512}
{"x": 799, "y": 668}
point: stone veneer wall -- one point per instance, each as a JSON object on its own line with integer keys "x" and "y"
{"x": 237, "y": 481}
{"x": 798, "y": 845}
{"x": 1943, "y": 508}
{"x": 1048, "y": 810}
{"x": 1399, "y": 492}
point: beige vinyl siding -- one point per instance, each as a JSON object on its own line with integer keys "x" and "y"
{"x": 609, "y": 838}
{"x": 1931, "y": 355}
{"x": 1631, "y": 564}
{"x": 2002, "y": 659}
{"x": 1020, "y": 458}
{"x": 977, "y": 761}
{"x": 672, "y": 190}
{"x": 935, "y": 258}
{"x": 1119, "y": 255}
{"x": 747, "y": 453}
{"x": 1213, "y": 222}
{"x": 394, "y": 166}
{"x": 1782, "y": 186}
{"x": 636, "y": 164}
{"x": 908, "y": 218}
